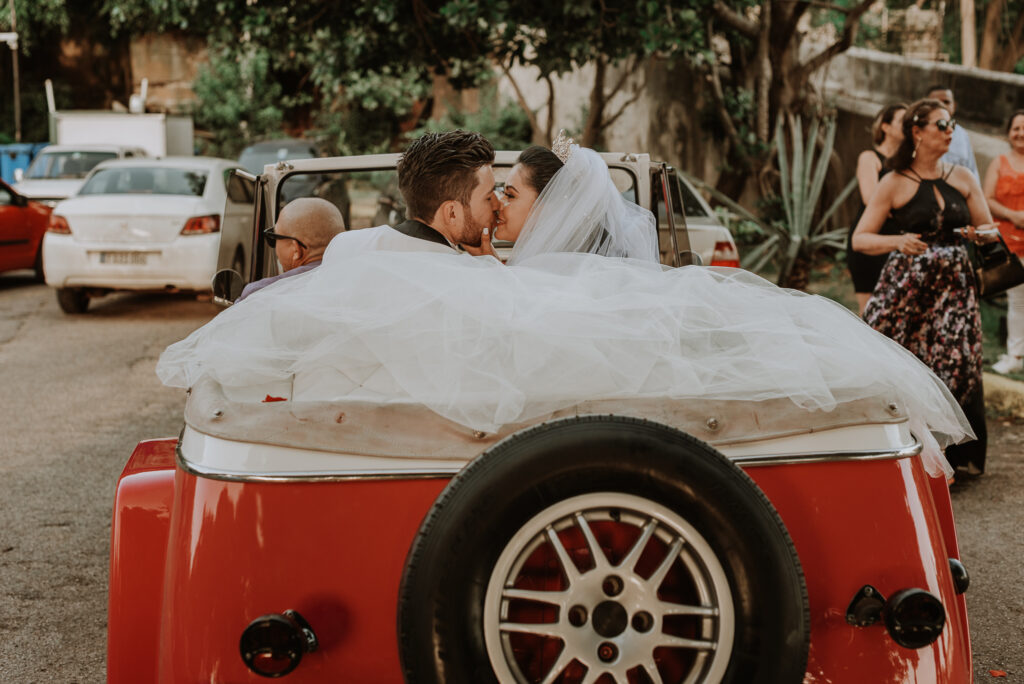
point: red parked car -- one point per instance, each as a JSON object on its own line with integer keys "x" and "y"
{"x": 22, "y": 226}
{"x": 617, "y": 540}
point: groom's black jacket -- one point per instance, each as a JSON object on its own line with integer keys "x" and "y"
{"x": 416, "y": 229}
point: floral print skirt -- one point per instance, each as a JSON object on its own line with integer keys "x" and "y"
{"x": 928, "y": 303}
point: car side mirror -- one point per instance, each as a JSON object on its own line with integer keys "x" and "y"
{"x": 19, "y": 175}
{"x": 227, "y": 286}
{"x": 690, "y": 258}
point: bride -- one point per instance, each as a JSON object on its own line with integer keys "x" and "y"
{"x": 583, "y": 311}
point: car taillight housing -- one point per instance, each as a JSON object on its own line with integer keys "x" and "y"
{"x": 725, "y": 254}
{"x": 58, "y": 224}
{"x": 201, "y": 225}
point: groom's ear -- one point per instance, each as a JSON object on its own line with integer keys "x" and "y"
{"x": 449, "y": 213}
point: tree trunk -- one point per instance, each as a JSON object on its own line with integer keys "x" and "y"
{"x": 968, "y": 45}
{"x": 990, "y": 34}
{"x": 593, "y": 130}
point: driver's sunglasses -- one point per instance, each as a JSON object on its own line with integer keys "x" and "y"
{"x": 945, "y": 124}
{"x": 271, "y": 237}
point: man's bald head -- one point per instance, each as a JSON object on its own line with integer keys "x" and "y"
{"x": 312, "y": 221}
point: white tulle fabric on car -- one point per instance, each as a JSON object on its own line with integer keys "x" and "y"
{"x": 486, "y": 345}
{"x": 581, "y": 210}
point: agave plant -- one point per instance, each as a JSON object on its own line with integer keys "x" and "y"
{"x": 795, "y": 244}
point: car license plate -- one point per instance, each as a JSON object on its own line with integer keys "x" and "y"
{"x": 132, "y": 258}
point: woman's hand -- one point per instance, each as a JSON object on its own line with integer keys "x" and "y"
{"x": 485, "y": 248}
{"x": 910, "y": 244}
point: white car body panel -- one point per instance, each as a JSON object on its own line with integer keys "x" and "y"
{"x": 134, "y": 241}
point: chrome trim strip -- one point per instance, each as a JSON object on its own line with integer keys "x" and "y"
{"x": 436, "y": 473}
{"x": 874, "y": 455}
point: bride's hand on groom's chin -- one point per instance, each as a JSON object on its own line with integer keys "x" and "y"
{"x": 485, "y": 248}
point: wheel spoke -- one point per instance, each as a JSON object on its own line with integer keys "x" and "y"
{"x": 592, "y": 675}
{"x": 659, "y": 575}
{"x": 669, "y": 641}
{"x": 546, "y": 629}
{"x": 600, "y": 560}
{"x": 650, "y": 668}
{"x": 563, "y": 662}
{"x": 634, "y": 553}
{"x": 568, "y": 567}
{"x": 554, "y": 598}
{"x": 680, "y": 609}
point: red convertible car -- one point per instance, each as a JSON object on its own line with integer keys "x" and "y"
{"x": 617, "y": 540}
{"x": 22, "y": 226}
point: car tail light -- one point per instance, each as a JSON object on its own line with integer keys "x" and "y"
{"x": 58, "y": 224}
{"x": 201, "y": 225}
{"x": 273, "y": 645}
{"x": 725, "y": 254}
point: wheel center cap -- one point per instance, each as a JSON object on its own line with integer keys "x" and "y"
{"x": 610, "y": 619}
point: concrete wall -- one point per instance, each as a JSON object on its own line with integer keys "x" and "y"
{"x": 170, "y": 62}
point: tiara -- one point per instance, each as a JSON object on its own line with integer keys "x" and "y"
{"x": 562, "y": 146}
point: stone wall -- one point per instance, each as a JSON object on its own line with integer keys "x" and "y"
{"x": 170, "y": 62}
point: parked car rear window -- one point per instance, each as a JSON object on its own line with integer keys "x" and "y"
{"x": 142, "y": 180}
{"x": 71, "y": 164}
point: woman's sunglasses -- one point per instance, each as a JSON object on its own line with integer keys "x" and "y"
{"x": 271, "y": 237}
{"x": 945, "y": 124}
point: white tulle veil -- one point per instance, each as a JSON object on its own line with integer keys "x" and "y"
{"x": 486, "y": 345}
{"x": 581, "y": 210}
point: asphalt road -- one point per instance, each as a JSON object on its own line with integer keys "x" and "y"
{"x": 79, "y": 392}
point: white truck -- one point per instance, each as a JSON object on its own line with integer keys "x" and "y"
{"x": 85, "y": 138}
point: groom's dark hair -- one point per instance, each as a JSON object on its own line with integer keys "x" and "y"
{"x": 439, "y": 167}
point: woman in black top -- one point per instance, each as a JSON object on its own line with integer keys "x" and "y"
{"x": 926, "y": 298}
{"x": 886, "y": 134}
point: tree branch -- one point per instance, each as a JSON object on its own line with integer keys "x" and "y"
{"x": 549, "y": 138}
{"x": 723, "y": 114}
{"x": 734, "y": 19}
{"x": 530, "y": 114}
{"x": 844, "y": 42}
{"x": 764, "y": 73}
{"x": 636, "y": 96}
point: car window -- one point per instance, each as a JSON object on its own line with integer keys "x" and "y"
{"x": 143, "y": 180}
{"x": 5, "y": 196}
{"x": 69, "y": 164}
{"x": 371, "y": 198}
{"x": 240, "y": 190}
{"x": 692, "y": 205}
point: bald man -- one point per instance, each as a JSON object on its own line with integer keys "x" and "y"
{"x": 304, "y": 229}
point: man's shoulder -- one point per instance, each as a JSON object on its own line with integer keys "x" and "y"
{"x": 383, "y": 238}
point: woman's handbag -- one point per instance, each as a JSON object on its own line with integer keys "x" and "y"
{"x": 996, "y": 268}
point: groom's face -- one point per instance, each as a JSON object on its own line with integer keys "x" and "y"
{"x": 480, "y": 211}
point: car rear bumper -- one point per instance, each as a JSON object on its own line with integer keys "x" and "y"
{"x": 187, "y": 263}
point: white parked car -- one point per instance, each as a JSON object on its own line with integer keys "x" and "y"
{"x": 58, "y": 171}
{"x": 148, "y": 224}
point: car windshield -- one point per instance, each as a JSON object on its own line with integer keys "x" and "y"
{"x": 145, "y": 180}
{"x": 255, "y": 159}
{"x": 69, "y": 164}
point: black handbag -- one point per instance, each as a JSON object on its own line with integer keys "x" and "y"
{"x": 996, "y": 268}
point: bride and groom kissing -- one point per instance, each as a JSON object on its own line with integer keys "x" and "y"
{"x": 583, "y": 310}
{"x": 554, "y": 200}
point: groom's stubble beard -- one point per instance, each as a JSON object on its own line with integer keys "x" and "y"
{"x": 472, "y": 230}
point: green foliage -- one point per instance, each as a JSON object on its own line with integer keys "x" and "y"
{"x": 239, "y": 104}
{"x": 505, "y": 125}
{"x": 804, "y": 234}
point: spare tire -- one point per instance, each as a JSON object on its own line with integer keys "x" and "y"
{"x": 603, "y": 547}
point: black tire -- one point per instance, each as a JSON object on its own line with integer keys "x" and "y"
{"x": 479, "y": 521}
{"x": 37, "y": 266}
{"x": 72, "y": 300}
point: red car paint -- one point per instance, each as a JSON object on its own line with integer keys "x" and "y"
{"x": 194, "y": 560}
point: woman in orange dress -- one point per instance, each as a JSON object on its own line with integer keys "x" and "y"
{"x": 1004, "y": 190}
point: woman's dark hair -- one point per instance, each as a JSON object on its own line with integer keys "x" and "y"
{"x": 439, "y": 167}
{"x": 916, "y": 117}
{"x": 885, "y": 116}
{"x": 540, "y": 164}
{"x": 1009, "y": 122}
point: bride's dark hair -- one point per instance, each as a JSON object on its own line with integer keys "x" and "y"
{"x": 540, "y": 164}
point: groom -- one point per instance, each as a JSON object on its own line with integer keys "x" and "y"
{"x": 447, "y": 182}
